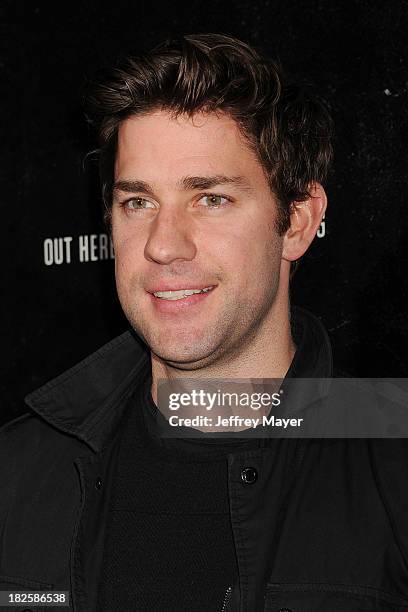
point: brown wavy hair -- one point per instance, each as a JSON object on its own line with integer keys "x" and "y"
{"x": 285, "y": 124}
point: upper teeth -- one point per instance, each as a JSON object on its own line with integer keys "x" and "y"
{"x": 181, "y": 293}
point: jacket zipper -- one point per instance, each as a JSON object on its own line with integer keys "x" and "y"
{"x": 227, "y": 597}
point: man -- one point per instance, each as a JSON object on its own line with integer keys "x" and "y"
{"x": 212, "y": 169}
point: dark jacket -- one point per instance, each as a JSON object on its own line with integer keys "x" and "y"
{"x": 323, "y": 528}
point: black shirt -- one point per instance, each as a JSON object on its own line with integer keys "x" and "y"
{"x": 169, "y": 544}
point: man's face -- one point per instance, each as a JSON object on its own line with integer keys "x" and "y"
{"x": 192, "y": 209}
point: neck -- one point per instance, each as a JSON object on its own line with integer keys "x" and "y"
{"x": 266, "y": 353}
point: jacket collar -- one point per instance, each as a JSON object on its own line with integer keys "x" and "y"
{"x": 313, "y": 357}
{"x": 87, "y": 400}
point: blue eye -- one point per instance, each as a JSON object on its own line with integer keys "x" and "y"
{"x": 214, "y": 200}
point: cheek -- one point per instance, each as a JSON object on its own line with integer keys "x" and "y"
{"x": 248, "y": 249}
{"x": 128, "y": 260}
{"x": 127, "y": 241}
{"x": 258, "y": 261}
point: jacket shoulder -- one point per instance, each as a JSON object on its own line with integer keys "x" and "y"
{"x": 17, "y": 434}
{"x": 28, "y": 444}
{"x": 28, "y": 430}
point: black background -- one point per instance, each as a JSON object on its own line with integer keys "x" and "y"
{"x": 354, "y": 278}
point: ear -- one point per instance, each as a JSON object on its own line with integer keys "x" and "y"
{"x": 304, "y": 223}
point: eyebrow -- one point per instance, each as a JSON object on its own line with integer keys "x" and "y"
{"x": 187, "y": 183}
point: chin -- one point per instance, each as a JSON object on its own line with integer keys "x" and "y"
{"x": 184, "y": 357}
{"x": 177, "y": 345}
{"x": 178, "y": 357}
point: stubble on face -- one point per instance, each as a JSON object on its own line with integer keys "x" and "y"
{"x": 236, "y": 247}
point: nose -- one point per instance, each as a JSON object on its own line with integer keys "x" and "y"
{"x": 170, "y": 237}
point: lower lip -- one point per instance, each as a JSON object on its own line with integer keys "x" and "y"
{"x": 174, "y": 306}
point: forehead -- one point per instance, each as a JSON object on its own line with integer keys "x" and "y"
{"x": 162, "y": 147}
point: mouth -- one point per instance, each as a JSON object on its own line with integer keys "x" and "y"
{"x": 172, "y": 301}
{"x": 180, "y": 294}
